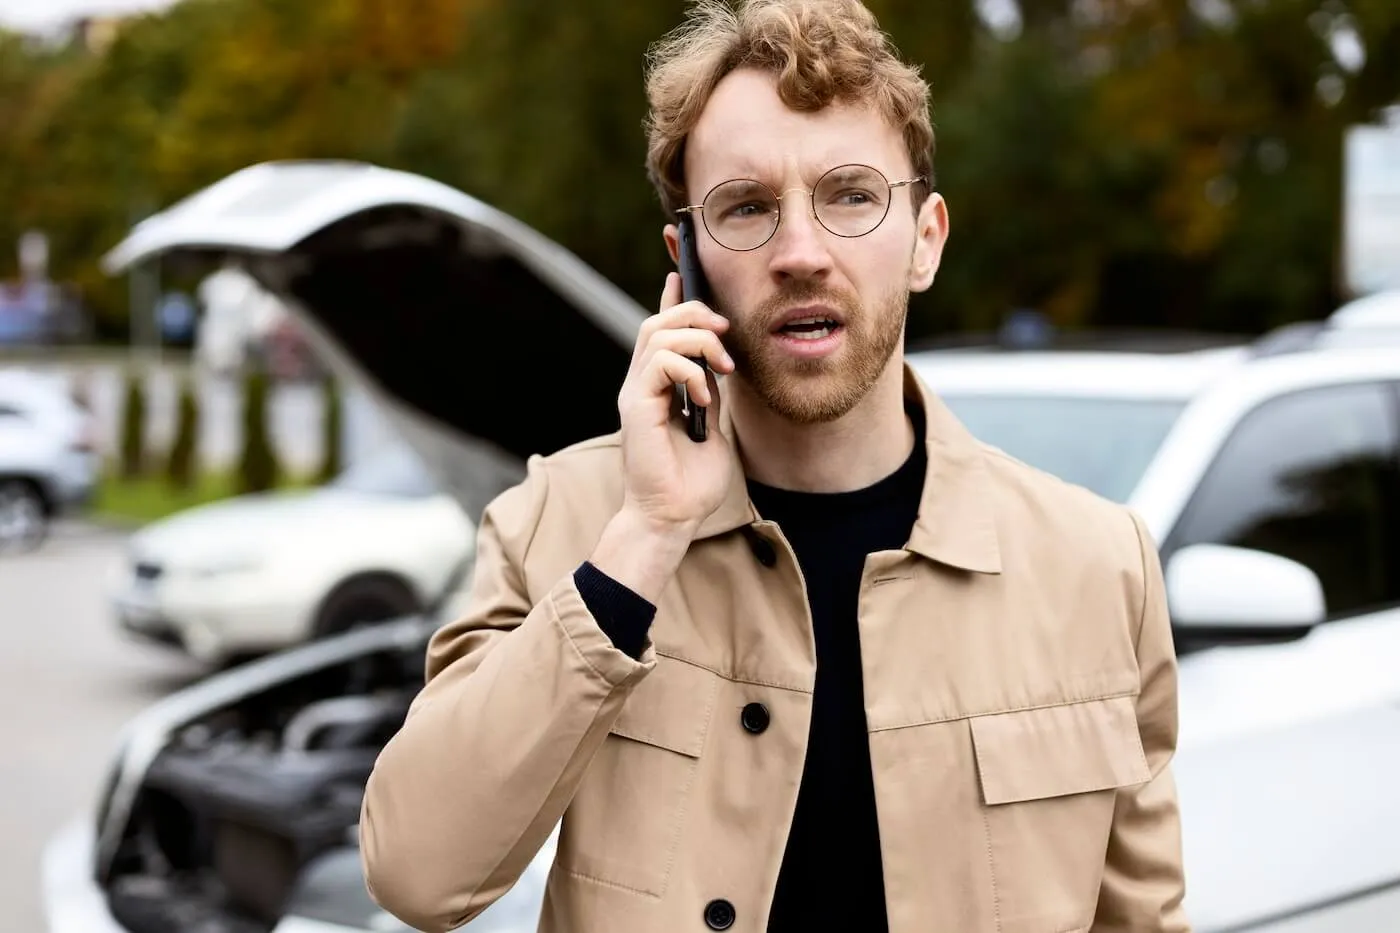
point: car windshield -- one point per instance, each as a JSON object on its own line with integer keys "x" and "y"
{"x": 396, "y": 471}
{"x": 1103, "y": 444}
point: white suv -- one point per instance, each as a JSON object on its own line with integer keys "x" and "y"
{"x": 1289, "y": 446}
{"x": 1269, "y": 473}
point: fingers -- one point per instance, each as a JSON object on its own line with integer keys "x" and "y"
{"x": 675, "y": 314}
{"x": 694, "y": 343}
{"x": 679, "y": 345}
{"x": 668, "y": 368}
{"x": 689, "y": 328}
{"x": 671, "y": 293}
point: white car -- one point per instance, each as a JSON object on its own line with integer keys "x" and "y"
{"x": 1289, "y": 451}
{"x": 261, "y": 572}
{"x": 1263, "y": 473}
{"x": 49, "y": 464}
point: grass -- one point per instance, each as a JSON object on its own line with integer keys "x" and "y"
{"x": 146, "y": 499}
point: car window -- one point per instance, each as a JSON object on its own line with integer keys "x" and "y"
{"x": 1313, "y": 476}
{"x": 1102, "y": 444}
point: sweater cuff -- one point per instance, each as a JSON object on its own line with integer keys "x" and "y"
{"x": 623, "y": 616}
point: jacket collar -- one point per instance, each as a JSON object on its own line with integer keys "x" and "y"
{"x": 956, "y": 524}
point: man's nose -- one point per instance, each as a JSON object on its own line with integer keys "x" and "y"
{"x": 799, "y": 244}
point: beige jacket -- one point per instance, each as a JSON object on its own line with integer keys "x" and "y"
{"x": 1020, "y": 691}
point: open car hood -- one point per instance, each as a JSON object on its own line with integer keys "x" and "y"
{"x": 482, "y": 341}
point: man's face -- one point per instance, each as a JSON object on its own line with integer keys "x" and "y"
{"x": 807, "y": 372}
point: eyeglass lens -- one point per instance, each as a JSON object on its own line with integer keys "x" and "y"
{"x": 849, "y": 201}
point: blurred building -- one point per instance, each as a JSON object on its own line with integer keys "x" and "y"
{"x": 1371, "y": 238}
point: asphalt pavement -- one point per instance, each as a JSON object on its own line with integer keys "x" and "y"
{"x": 68, "y": 682}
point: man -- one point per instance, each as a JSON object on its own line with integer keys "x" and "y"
{"x": 836, "y": 667}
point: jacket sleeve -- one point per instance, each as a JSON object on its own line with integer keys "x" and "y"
{"x": 1143, "y": 881}
{"x": 519, "y": 695}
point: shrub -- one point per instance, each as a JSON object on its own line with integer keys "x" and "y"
{"x": 257, "y": 467}
{"x": 180, "y": 463}
{"x": 332, "y": 428}
{"x": 133, "y": 448}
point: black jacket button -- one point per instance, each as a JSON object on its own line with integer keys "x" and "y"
{"x": 762, "y": 548}
{"x": 755, "y": 717}
{"x": 719, "y": 915}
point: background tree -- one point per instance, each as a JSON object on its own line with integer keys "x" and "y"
{"x": 1146, "y": 162}
{"x": 257, "y": 465}
{"x": 133, "y": 446}
{"x": 332, "y": 430}
{"x": 181, "y": 463}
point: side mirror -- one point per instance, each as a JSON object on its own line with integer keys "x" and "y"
{"x": 1232, "y": 593}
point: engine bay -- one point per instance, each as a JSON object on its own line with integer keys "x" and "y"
{"x": 241, "y": 800}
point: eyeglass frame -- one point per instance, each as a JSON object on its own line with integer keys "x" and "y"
{"x": 811, "y": 193}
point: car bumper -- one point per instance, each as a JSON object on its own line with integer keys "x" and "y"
{"x": 73, "y": 902}
{"x": 210, "y": 621}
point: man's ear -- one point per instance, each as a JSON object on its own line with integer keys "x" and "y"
{"x": 931, "y": 234}
{"x": 672, "y": 236}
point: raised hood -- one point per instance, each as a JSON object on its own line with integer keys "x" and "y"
{"x": 482, "y": 340}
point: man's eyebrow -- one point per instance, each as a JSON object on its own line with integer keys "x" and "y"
{"x": 744, "y": 169}
{"x": 741, "y": 170}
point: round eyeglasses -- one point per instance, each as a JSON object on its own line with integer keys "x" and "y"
{"x": 849, "y": 201}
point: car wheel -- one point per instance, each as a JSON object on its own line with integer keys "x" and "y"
{"x": 24, "y": 521}
{"x": 364, "y": 601}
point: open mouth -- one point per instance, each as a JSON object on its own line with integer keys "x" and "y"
{"x": 814, "y": 328}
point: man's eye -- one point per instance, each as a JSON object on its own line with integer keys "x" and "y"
{"x": 750, "y": 209}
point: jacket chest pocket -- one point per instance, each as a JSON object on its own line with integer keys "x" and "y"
{"x": 625, "y": 822}
{"x": 1049, "y": 781}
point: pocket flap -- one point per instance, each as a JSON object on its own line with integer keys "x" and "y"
{"x": 1053, "y": 751}
{"x": 670, "y": 707}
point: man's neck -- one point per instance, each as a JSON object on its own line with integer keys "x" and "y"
{"x": 862, "y": 447}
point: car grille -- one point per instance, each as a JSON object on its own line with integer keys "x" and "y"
{"x": 146, "y": 570}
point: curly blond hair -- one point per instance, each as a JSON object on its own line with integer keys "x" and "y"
{"x": 820, "y": 50}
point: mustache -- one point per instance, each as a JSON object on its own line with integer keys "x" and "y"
{"x": 805, "y": 292}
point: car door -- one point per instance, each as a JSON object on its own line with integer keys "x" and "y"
{"x": 1310, "y": 475}
{"x": 1290, "y": 753}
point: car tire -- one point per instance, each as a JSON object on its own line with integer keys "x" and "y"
{"x": 24, "y": 517}
{"x": 363, "y": 601}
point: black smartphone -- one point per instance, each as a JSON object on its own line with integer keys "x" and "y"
{"x": 694, "y": 287}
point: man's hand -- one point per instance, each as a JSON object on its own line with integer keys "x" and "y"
{"x": 671, "y": 483}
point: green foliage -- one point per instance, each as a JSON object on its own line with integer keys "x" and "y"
{"x": 133, "y": 446}
{"x": 332, "y": 422}
{"x": 257, "y": 465}
{"x": 1026, "y": 228}
{"x": 181, "y": 460}
{"x": 1116, "y": 162}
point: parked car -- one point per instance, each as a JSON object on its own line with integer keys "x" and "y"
{"x": 49, "y": 464}
{"x": 232, "y": 806}
{"x": 1287, "y": 448}
{"x": 260, "y": 572}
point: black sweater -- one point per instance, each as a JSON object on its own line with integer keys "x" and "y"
{"x": 831, "y": 877}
